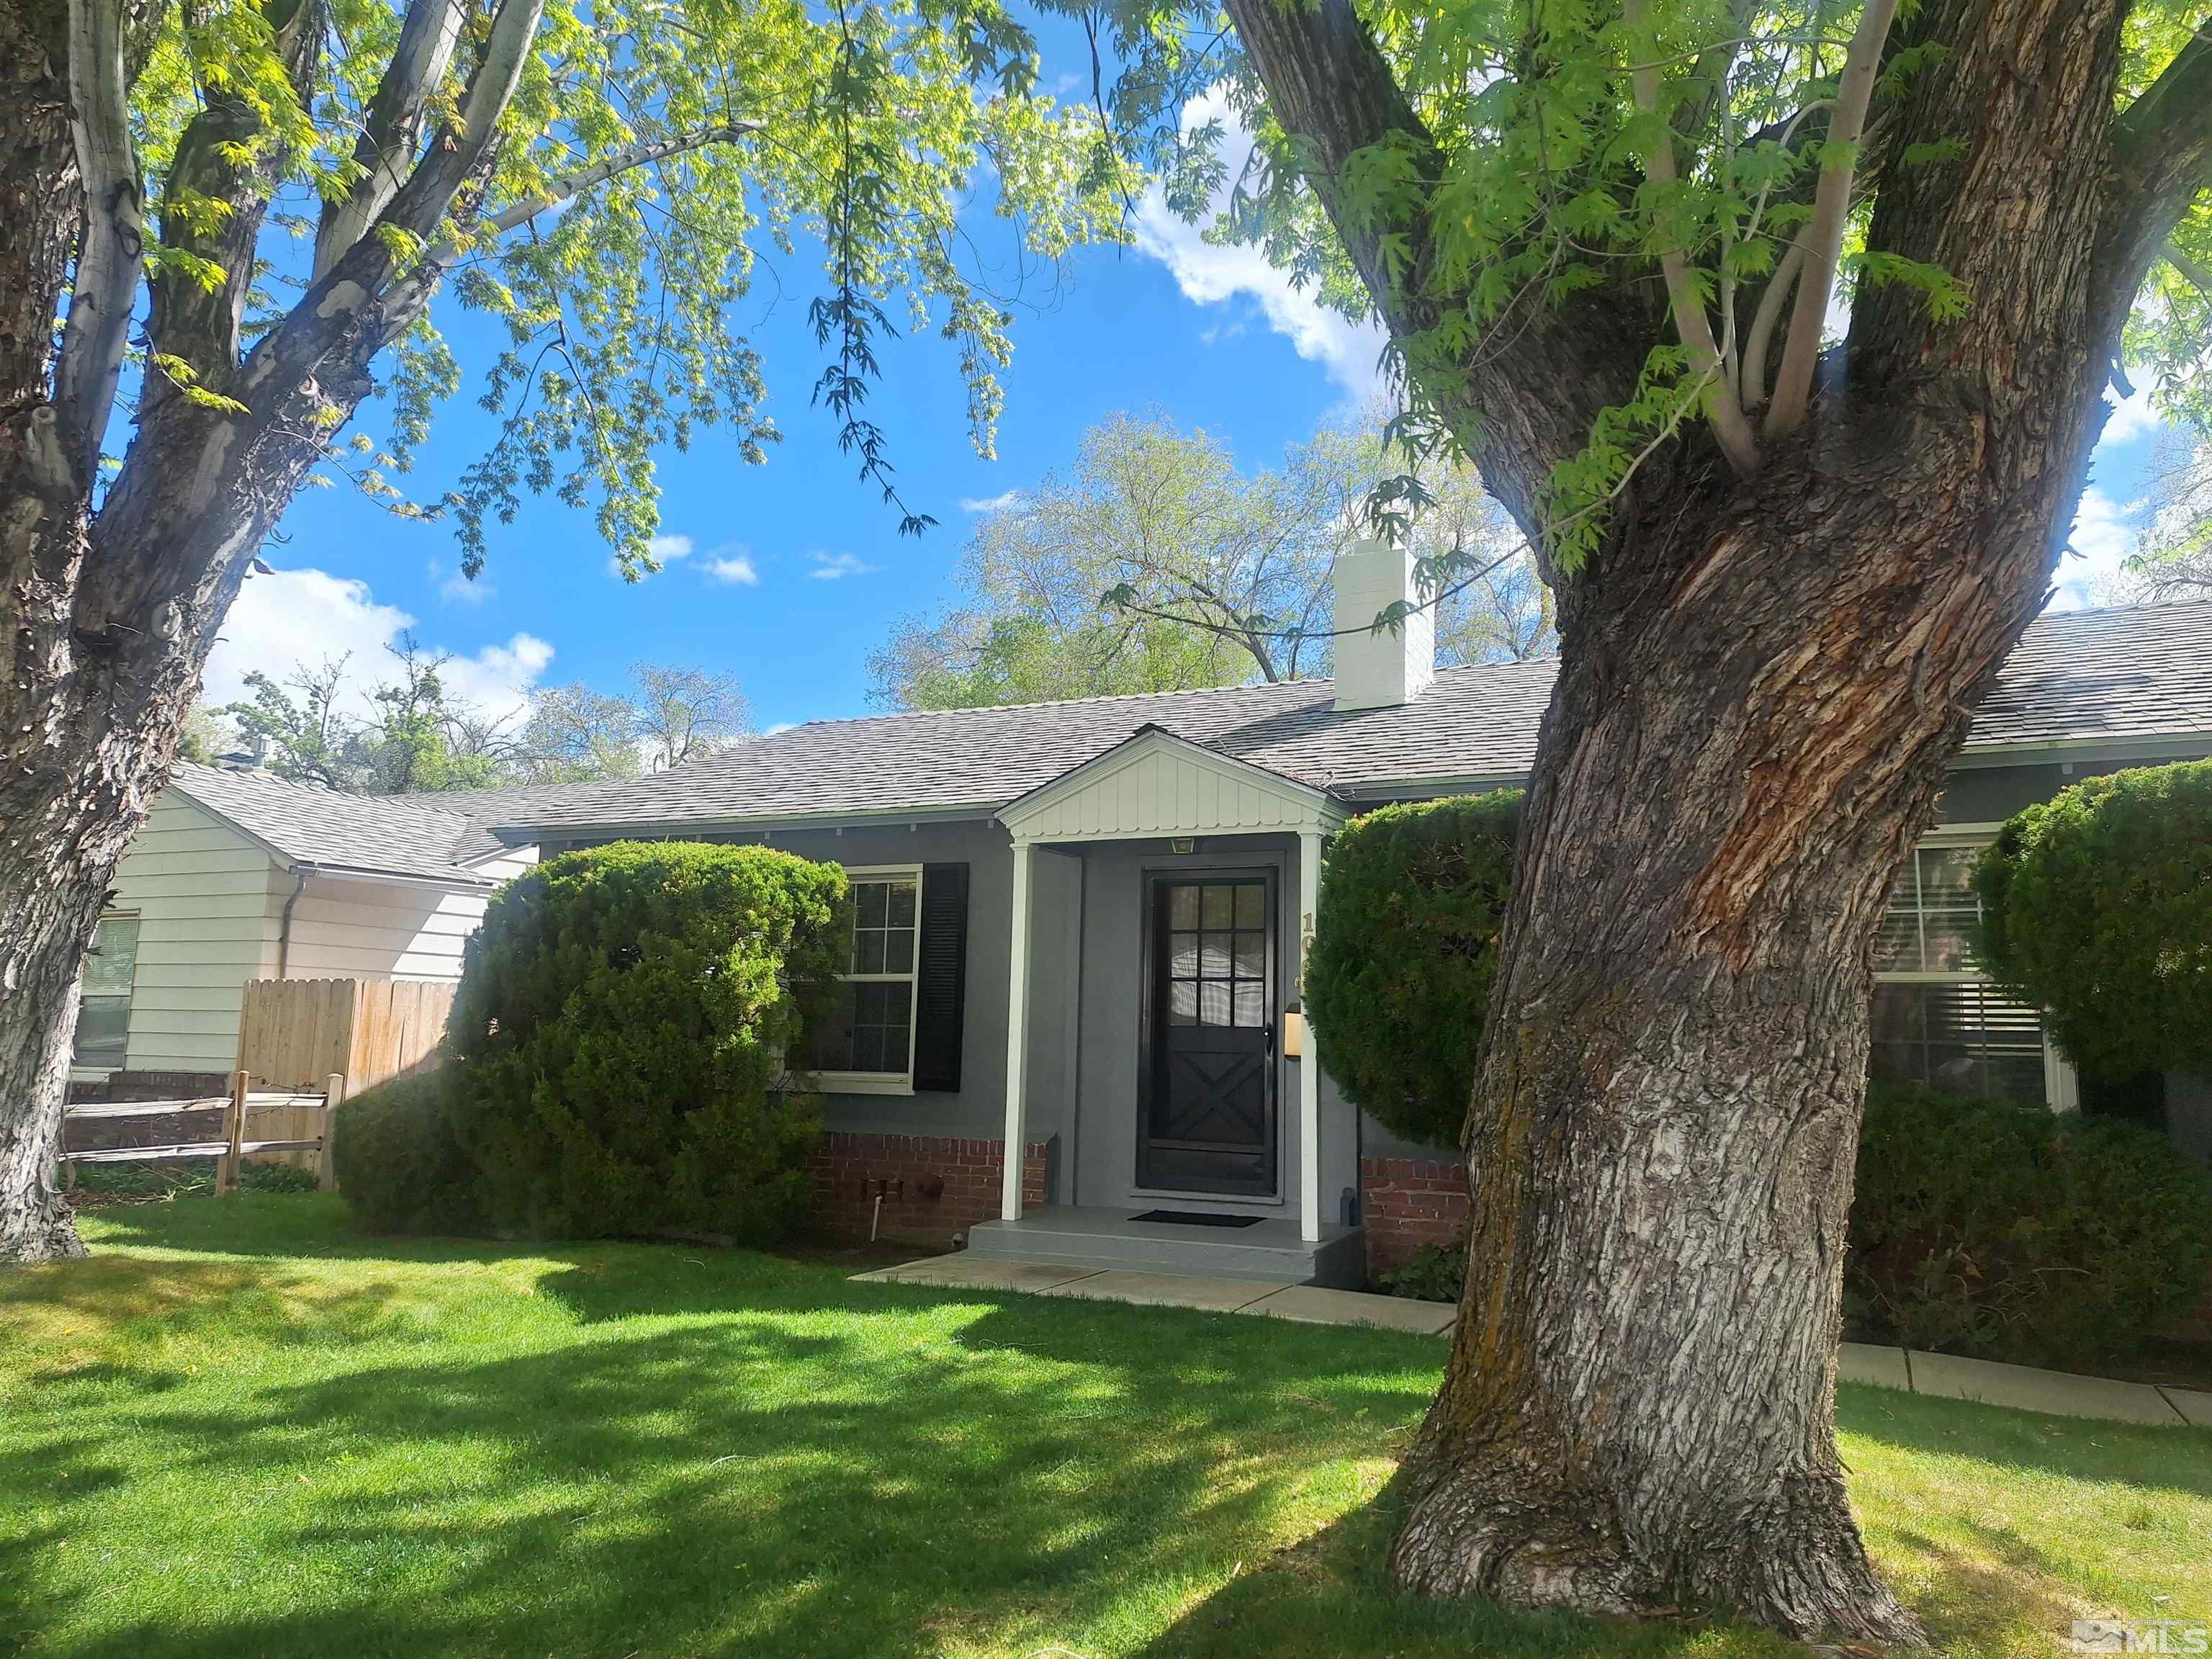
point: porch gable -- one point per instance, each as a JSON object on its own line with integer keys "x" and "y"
{"x": 1155, "y": 783}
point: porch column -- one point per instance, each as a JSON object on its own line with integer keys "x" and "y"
{"x": 1018, "y": 1032}
{"x": 1309, "y": 1060}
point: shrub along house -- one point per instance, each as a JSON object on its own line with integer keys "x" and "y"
{"x": 1080, "y": 927}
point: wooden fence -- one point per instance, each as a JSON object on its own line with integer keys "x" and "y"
{"x": 294, "y": 1033}
{"x": 303, "y": 1131}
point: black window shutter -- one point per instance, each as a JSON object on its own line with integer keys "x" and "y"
{"x": 941, "y": 997}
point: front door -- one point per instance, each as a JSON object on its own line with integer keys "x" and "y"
{"x": 1207, "y": 1118}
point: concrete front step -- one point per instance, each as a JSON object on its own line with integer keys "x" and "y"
{"x": 1269, "y": 1252}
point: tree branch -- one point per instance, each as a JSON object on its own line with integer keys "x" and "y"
{"x": 1537, "y": 377}
{"x": 1787, "y": 269}
{"x": 224, "y": 155}
{"x": 1694, "y": 328}
{"x": 391, "y": 133}
{"x": 408, "y": 295}
{"x": 113, "y": 244}
{"x": 2161, "y": 147}
{"x": 1823, "y": 237}
{"x": 2163, "y": 140}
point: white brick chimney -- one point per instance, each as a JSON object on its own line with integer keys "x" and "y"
{"x": 1379, "y": 669}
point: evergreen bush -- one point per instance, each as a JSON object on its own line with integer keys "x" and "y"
{"x": 399, "y": 1158}
{"x": 620, "y": 1028}
{"x": 2097, "y": 908}
{"x": 1398, "y": 977}
{"x": 1984, "y": 1227}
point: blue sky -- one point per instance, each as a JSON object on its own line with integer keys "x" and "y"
{"x": 788, "y": 574}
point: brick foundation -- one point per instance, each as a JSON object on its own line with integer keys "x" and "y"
{"x": 964, "y": 1178}
{"x": 1408, "y": 1202}
{"x": 118, "y": 1086}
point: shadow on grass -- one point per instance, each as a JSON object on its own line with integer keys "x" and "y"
{"x": 694, "y": 1454}
{"x": 703, "y": 1451}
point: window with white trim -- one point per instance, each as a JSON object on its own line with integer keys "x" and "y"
{"x": 863, "y": 1041}
{"x": 1936, "y": 1020}
{"x": 103, "y": 1013}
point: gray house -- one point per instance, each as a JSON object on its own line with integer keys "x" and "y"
{"x": 1079, "y": 929}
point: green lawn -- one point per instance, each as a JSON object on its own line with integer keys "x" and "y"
{"x": 241, "y": 1429}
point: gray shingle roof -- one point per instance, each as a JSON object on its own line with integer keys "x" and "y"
{"x": 434, "y": 837}
{"x": 2136, "y": 672}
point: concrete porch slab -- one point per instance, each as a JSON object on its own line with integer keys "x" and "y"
{"x": 1862, "y": 1362}
{"x": 1947, "y": 1376}
{"x": 1269, "y": 1251}
{"x": 1162, "y": 1290}
{"x": 1312, "y": 1305}
{"x": 966, "y": 1272}
{"x": 2194, "y": 1405}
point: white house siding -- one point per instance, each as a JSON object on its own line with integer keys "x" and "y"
{"x": 200, "y": 891}
{"x": 209, "y": 901}
{"x": 344, "y": 929}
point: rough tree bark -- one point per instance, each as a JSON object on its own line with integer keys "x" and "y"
{"x": 1764, "y": 680}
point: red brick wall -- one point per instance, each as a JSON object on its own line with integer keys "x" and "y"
{"x": 847, "y": 1167}
{"x": 1407, "y": 1202}
{"x": 151, "y": 1085}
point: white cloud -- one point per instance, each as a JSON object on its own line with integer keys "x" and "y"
{"x": 781, "y": 726}
{"x": 732, "y": 570}
{"x": 836, "y": 567}
{"x": 998, "y": 503}
{"x": 293, "y": 616}
{"x": 2132, "y": 417}
{"x": 1210, "y": 275}
{"x": 454, "y": 588}
{"x": 2104, "y": 534}
{"x": 669, "y": 548}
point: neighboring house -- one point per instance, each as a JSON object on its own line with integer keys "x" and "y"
{"x": 1102, "y": 903}
{"x": 239, "y": 875}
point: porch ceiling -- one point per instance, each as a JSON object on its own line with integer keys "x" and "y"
{"x": 1155, "y": 783}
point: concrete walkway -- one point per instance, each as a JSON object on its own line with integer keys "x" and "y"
{"x": 1940, "y": 1376}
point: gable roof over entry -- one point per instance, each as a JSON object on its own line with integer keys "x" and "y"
{"x": 1154, "y": 783}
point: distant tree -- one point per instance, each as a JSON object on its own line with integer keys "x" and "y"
{"x": 2172, "y": 558}
{"x": 294, "y": 728}
{"x": 203, "y": 739}
{"x": 683, "y": 713}
{"x": 1219, "y": 575}
{"x": 416, "y": 741}
{"x": 414, "y": 737}
{"x": 575, "y": 735}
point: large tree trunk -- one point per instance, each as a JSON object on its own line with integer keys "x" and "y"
{"x": 1758, "y": 699}
{"x": 1762, "y": 680}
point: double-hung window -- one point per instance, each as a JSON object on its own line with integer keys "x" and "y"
{"x": 103, "y": 1014}
{"x": 1937, "y": 1021}
{"x": 863, "y": 1041}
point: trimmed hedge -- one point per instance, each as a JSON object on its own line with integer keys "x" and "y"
{"x": 2097, "y": 907}
{"x": 398, "y": 1158}
{"x": 1982, "y": 1227}
{"x": 1398, "y": 977}
{"x": 620, "y": 1024}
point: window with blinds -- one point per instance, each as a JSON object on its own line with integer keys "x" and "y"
{"x": 103, "y": 1015}
{"x": 1936, "y": 1021}
{"x": 868, "y": 1035}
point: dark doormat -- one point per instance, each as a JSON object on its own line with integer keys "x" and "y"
{"x": 1197, "y": 1219}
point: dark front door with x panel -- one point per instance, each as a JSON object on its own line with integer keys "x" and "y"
{"x": 1208, "y": 1118}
